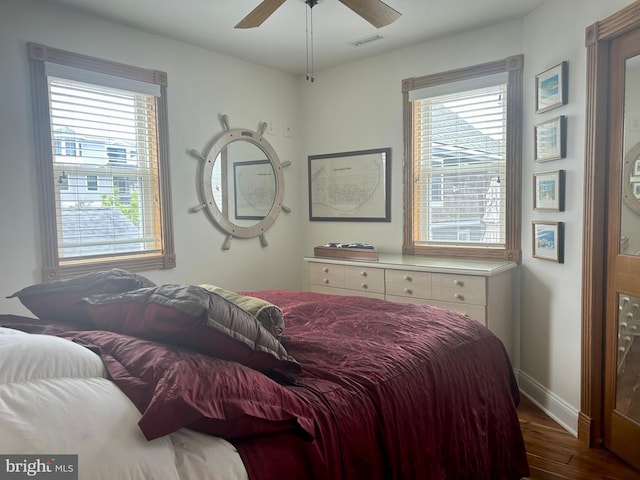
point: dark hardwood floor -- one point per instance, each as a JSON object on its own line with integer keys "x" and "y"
{"x": 555, "y": 454}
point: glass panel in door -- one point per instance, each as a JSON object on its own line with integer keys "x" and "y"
{"x": 622, "y": 337}
{"x": 630, "y": 212}
{"x": 628, "y": 357}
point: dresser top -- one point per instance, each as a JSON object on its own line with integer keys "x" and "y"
{"x": 427, "y": 264}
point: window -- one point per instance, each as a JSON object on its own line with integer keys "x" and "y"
{"x": 63, "y": 182}
{"x": 101, "y": 139}
{"x": 92, "y": 182}
{"x": 70, "y": 148}
{"x": 117, "y": 154}
{"x": 463, "y": 138}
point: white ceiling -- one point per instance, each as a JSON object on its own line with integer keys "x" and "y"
{"x": 280, "y": 42}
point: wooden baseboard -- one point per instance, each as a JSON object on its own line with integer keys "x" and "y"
{"x": 585, "y": 433}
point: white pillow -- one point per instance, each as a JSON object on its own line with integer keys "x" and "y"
{"x": 11, "y": 331}
{"x": 30, "y": 357}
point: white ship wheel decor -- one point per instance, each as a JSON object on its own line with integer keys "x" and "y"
{"x": 241, "y": 184}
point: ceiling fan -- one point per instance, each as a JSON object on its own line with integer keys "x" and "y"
{"x": 376, "y": 12}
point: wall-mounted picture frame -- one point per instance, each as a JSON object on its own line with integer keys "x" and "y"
{"x": 350, "y": 186}
{"x": 552, "y": 87}
{"x": 550, "y": 139}
{"x": 548, "y": 190}
{"x": 548, "y": 241}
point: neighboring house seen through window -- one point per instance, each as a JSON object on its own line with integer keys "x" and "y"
{"x": 102, "y": 164}
{"x": 92, "y": 182}
{"x": 463, "y": 134}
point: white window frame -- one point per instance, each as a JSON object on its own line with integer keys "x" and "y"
{"x": 511, "y": 250}
{"x": 53, "y": 267}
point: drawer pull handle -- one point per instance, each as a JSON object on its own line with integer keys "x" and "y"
{"x": 325, "y": 269}
{"x": 458, "y": 283}
{"x": 408, "y": 291}
{"x": 458, "y": 296}
{"x": 364, "y": 274}
{"x": 325, "y": 280}
{"x": 364, "y": 286}
{"x": 407, "y": 278}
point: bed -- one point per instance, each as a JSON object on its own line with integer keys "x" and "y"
{"x": 145, "y": 381}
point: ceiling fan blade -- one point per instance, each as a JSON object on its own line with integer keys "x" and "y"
{"x": 259, "y": 14}
{"x": 376, "y": 12}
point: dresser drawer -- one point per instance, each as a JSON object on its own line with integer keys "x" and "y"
{"x": 407, "y": 283}
{"x": 453, "y": 295}
{"x": 364, "y": 278}
{"x": 326, "y": 274}
{"x": 461, "y": 282}
{"x": 458, "y": 289}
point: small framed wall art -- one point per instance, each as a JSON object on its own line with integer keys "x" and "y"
{"x": 548, "y": 191}
{"x": 550, "y": 139}
{"x": 548, "y": 241}
{"x": 552, "y": 87}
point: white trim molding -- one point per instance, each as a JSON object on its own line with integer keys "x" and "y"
{"x": 551, "y": 404}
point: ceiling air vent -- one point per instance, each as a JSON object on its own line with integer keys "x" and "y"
{"x": 367, "y": 40}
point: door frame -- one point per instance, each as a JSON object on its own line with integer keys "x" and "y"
{"x": 597, "y": 41}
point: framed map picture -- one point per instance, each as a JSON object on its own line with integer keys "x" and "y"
{"x": 350, "y": 186}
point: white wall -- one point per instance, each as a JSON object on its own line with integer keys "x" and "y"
{"x": 550, "y": 329}
{"x": 358, "y": 106}
{"x": 201, "y": 84}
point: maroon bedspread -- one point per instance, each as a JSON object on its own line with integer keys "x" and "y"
{"x": 399, "y": 391}
{"x": 396, "y": 391}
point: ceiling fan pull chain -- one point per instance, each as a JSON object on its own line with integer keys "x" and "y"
{"x": 306, "y": 17}
{"x": 313, "y": 78}
{"x": 309, "y": 39}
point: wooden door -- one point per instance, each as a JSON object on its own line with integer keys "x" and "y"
{"x": 621, "y": 402}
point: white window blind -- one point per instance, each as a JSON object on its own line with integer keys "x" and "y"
{"x": 460, "y": 166}
{"x": 105, "y": 165}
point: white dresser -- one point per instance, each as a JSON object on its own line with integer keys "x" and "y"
{"x": 481, "y": 289}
